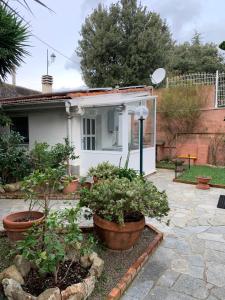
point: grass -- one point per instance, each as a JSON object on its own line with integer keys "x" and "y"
{"x": 217, "y": 174}
{"x": 165, "y": 164}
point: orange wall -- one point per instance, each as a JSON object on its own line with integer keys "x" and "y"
{"x": 210, "y": 123}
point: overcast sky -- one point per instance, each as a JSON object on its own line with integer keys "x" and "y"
{"x": 61, "y": 31}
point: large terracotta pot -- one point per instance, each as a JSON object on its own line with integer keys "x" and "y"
{"x": 118, "y": 237}
{"x": 15, "y": 230}
{"x": 71, "y": 187}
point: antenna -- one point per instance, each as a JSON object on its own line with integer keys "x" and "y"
{"x": 158, "y": 76}
{"x": 51, "y": 61}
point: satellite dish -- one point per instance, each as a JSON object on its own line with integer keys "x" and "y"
{"x": 158, "y": 76}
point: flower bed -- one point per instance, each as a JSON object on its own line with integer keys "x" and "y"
{"x": 120, "y": 267}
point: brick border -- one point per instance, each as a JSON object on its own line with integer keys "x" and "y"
{"x": 219, "y": 186}
{"x": 135, "y": 268}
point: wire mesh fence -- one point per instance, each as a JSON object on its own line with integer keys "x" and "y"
{"x": 217, "y": 79}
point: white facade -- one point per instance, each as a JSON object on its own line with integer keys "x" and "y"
{"x": 48, "y": 126}
{"x": 101, "y": 127}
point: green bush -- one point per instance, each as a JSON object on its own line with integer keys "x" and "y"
{"x": 103, "y": 170}
{"x": 46, "y": 248}
{"x": 14, "y": 158}
{"x": 42, "y": 183}
{"x": 116, "y": 199}
{"x": 43, "y": 156}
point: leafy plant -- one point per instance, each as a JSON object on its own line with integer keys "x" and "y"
{"x": 103, "y": 170}
{"x": 43, "y": 156}
{"x": 42, "y": 183}
{"x": 46, "y": 245}
{"x": 13, "y": 38}
{"x": 116, "y": 199}
{"x": 126, "y": 173}
{"x": 14, "y": 159}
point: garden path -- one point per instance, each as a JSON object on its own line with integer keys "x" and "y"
{"x": 190, "y": 262}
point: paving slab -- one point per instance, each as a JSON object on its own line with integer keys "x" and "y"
{"x": 190, "y": 263}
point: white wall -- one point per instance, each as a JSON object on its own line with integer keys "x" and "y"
{"x": 93, "y": 158}
{"x": 47, "y": 126}
{"x": 148, "y": 160}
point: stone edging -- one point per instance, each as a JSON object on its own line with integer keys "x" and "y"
{"x": 219, "y": 186}
{"x": 135, "y": 268}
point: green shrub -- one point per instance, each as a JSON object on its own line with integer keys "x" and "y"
{"x": 115, "y": 199}
{"x": 126, "y": 173}
{"x": 43, "y": 156}
{"x": 14, "y": 158}
{"x": 43, "y": 183}
{"x": 103, "y": 170}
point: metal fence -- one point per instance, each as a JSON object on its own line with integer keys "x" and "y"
{"x": 217, "y": 79}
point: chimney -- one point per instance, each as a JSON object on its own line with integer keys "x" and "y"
{"x": 47, "y": 81}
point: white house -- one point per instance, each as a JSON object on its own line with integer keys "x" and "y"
{"x": 100, "y": 123}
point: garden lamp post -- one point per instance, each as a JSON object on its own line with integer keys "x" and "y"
{"x": 141, "y": 114}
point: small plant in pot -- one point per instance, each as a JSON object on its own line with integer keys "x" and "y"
{"x": 71, "y": 184}
{"x": 37, "y": 189}
{"x": 119, "y": 206}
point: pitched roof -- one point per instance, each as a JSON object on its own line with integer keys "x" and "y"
{"x": 9, "y": 90}
{"x": 62, "y": 96}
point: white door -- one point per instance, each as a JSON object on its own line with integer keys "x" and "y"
{"x": 88, "y": 134}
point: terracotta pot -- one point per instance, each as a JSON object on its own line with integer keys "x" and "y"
{"x": 71, "y": 187}
{"x": 118, "y": 237}
{"x": 15, "y": 230}
{"x": 203, "y": 182}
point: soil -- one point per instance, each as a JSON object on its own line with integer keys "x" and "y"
{"x": 133, "y": 217}
{"x": 117, "y": 263}
{"x": 35, "y": 284}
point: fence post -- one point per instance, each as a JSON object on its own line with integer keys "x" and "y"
{"x": 216, "y": 87}
{"x": 167, "y": 82}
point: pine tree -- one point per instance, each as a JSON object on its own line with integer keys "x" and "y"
{"x": 122, "y": 45}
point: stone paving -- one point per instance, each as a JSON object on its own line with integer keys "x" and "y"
{"x": 190, "y": 262}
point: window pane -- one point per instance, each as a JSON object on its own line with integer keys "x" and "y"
{"x": 88, "y": 126}
{"x": 88, "y": 143}
{"x": 93, "y": 126}
{"x": 20, "y": 125}
{"x": 84, "y": 127}
{"x": 93, "y": 143}
{"x": 84, "y": 143}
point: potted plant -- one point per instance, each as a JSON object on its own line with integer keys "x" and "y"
{"x": 71, "y": 184}
{"x": 55, "y": 261}
{"x": 119, "y": 206}
{"x": 37, "y": 189}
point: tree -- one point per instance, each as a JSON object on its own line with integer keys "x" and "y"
{"x": 122, "y": 45}
{"x": 13, "y": 37}
{"x": 196, "y": 57}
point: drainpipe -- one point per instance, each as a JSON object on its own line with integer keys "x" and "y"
{"x": 69, "y": 130}
{"x": 69, "y": 117}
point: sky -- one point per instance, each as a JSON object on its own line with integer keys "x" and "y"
{"x": 61, "y": 31}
